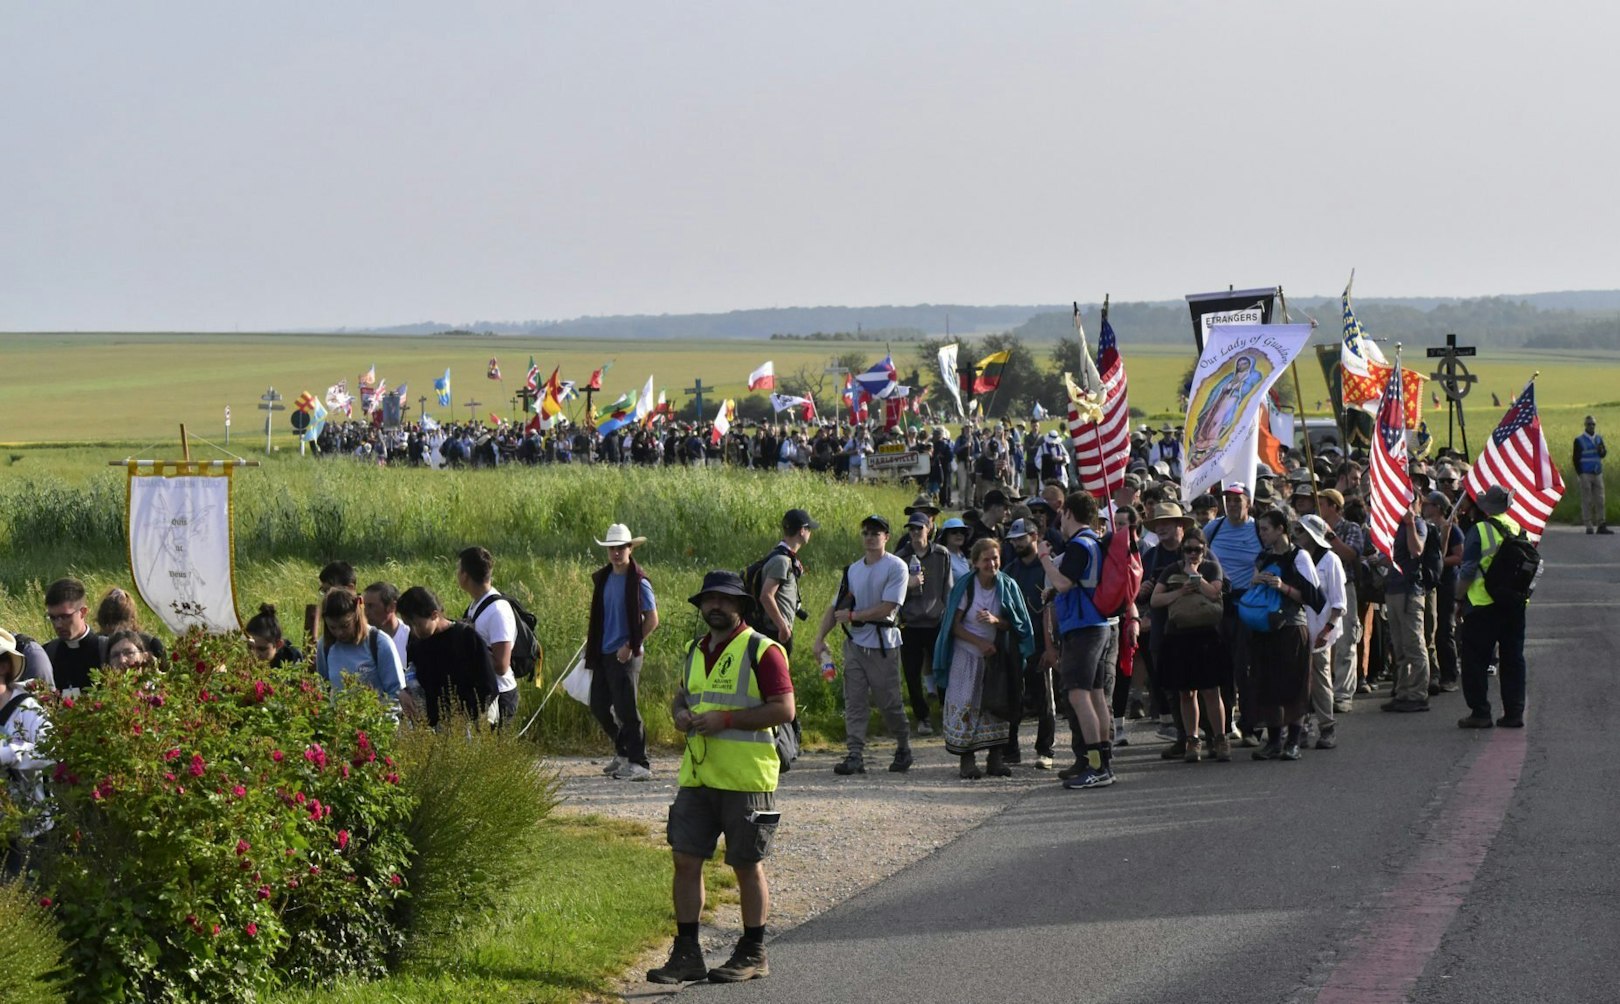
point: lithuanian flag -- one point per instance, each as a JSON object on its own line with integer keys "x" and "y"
{"x": 989, "y": 372}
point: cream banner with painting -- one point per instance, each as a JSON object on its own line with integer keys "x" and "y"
{"x": 1239, "y": 364}
{"x": 180, "y": 551}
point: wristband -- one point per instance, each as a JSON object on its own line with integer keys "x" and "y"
{"x": 727, "y": 719}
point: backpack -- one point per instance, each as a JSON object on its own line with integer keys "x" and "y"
{"x": 1121, "y": 577}
{"x": 785, "y": 736}
{"x": 525, "y": 647}
{"x": 1513, "y": 572}
{"x": 371, "y": 643}
{"x": 1260, "y": 606}
{"x": 844, "y": 594}
{"x": 754, "y": 581}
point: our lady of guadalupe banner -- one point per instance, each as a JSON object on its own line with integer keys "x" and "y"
{"x": 1239, "y": 364}
{"x": 180, "y": 544}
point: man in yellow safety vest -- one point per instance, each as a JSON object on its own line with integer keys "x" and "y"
{"x": 736, "y": 688}
{"x": 1489, "y": 624}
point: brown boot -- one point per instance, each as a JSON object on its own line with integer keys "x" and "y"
{"x": 1221, "y": 749}
{"x": 1192, "y": 755}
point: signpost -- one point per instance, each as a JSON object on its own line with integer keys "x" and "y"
{"x": 269, "y": 403}
{"x": 227, "y": 425}
{"x": 696, "y": 392}
{"x": 1456, "y": 381}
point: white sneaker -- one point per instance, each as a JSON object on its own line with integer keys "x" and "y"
{"x": 1043, "y": 763}
{"x": 924, "y": 729}
{"x": 1168, "y": 733}
{"x": 633, "y": 772}
{"x": 613, "y": 766}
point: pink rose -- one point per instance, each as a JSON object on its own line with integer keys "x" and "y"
{"x": 238, "y": 791}
{"x": 277, "y": 756}
{"x": 343, "y": 839}
{"x": 242, "y": 847}
{"x": 252, "y": 929}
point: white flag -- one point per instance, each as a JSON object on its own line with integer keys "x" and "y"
{"x": 782, "y": 402}
{"x": 644, "y": 403}
{"x": 1239, "y": 365}
{"x": 763, "y": 378}
{"x": 948, "y": 373}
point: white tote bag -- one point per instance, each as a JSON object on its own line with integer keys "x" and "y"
{"x": 577, "y": 682}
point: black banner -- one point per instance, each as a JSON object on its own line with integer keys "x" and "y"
{"x": 1233, "y": 306}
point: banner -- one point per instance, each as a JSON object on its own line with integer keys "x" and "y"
{"x": 948, "y": 373}
{"x": 1233, "y": 306}
{"x": 180, "y": 544}
{"x": 1239, "y": 364}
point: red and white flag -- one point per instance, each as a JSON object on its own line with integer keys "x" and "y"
{"x": 1102, "y": 444}
{"x": 1517, "y": 458}
{"x": 1389, "y": 471}
{"x": 763, "y": 378}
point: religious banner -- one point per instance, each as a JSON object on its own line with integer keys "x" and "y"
{"x": 180, "y": 552}
{"x": 1233, "y": 306}
{"x": 1239, "y": 364}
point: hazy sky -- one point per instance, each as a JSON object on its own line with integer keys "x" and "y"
{"x": 178, "y": 165}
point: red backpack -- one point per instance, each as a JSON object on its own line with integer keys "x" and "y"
{"x": 1121, "y": 577}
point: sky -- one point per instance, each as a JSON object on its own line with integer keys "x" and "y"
{"x": 215, "y": 165}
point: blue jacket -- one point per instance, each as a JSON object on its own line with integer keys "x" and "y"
{"x": 1011, "y": 599}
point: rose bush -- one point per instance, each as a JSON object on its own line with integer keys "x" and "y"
{"x": 222, "y": 827}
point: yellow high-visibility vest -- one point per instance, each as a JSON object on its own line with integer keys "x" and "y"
{"x": 732, "y": 759}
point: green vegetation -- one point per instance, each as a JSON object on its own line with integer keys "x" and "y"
{"x": 34, "y": 947}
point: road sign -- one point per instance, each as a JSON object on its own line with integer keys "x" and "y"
{"x": 300, "y": 420}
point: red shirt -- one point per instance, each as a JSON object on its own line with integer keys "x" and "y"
{"x": 771, "y": 671}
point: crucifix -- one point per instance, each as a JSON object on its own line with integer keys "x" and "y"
{"x": 696, "y": 393}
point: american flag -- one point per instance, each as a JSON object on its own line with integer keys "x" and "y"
{"x": 1390, "y": 470}
{"x": 1517, "y": 458}
{"x": 1101, "y": 449}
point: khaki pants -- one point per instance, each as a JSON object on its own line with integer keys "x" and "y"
{"x": 1592, "y": 513}
{"x": 1344, "y": 650}
{"x": 871, "y": 677}
{"x": 1409, "y": 647}
{"x": 1322, "y": 687}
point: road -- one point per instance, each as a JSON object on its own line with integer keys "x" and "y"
{"x": 1417, "y": 861}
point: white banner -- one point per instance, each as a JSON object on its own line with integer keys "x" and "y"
{"x": 180, "y": 548}
{"x": 1229, "y": 385}
{"x": 951, "y": 377}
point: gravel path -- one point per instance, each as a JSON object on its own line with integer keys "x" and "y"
{"x": 838, "y": 835}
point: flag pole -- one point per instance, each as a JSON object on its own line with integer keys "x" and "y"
{"x": 1299, "y": 406}
{"x": 997, "y": 389}
{"x": 1096, "y": 430}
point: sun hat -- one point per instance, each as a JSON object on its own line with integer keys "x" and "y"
{"x": 722, "y": 582}
{"x": 618, "y": 535}
{"x": 952, "y": 524}
{"x": 1167, "y": 512}
{"x": 923, "y": 504}
{"x": 8, "y": 649}
{"x": 1315, "y": 528}
{"x": 1495, "y": 501}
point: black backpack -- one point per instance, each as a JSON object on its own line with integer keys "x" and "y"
{"x": 1512, "y": 575}
{"x": 525, "y": 647}
{"x": 754, "y": 581}
{"x": 786, "y": 737}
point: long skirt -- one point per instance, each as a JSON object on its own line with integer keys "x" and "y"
{"x": 968, "y": 727}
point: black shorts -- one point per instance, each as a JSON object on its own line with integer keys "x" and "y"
{"x": 700, "y": 815}
{"x": 1088, "y": 658}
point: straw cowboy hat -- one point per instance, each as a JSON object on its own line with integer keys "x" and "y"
{"x": 618, "y": 535}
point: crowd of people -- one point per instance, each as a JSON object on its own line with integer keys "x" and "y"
{"x": 1253, "y": 617}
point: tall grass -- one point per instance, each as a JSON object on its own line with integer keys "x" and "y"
{"x": 406, "y": 526}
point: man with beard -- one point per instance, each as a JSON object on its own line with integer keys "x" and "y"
{"x": 736, "y": 688}
{"x": 1036, "y": 684}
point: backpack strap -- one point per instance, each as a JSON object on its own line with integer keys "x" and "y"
{"x": 11, "y": 706}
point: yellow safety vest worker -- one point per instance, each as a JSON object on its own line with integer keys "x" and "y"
{"x": 732, "y": 759}
{"x": 1489, "y": 540}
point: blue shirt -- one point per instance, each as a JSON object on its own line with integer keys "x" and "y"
{"x": 1406, "y": 573}
{"x": 1235, "y": 546}
{"x": 338, "y": 658}
{"x": 615, "y": 632}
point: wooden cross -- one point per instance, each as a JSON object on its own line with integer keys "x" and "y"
{"x": 472, "y": 409}
{"x": 696, "y": 392}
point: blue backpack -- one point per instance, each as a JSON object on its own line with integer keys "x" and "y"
{"x": 1260, "y": 606}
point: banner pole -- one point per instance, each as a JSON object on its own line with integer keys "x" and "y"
{"x": 185, "y": 444}
{"x": 1299, "y": 407}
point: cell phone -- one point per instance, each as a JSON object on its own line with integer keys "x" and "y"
{"x": 764, "y": 817}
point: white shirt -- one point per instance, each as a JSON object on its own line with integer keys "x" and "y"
{"x": 497, "y": 624}
{"x": 1330, "y": 576}
{"x": 402, "y": 638}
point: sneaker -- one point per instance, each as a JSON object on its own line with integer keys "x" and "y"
{"x": 1119, "y": 728}
{"x": 1450, "y": 687}
{"x": 1590, "y": 531}
{"x": 1490, "y": 670}
{"x": 1168, "y": 733}
{"x": 1249, "y": 741}
{"x": 1290, "y": 751}
{"x": 1221, "y": 750}
{"x": 633, "y": 772}
{"x": 613, "y": 766}
{"x": 1090, "y": 778}
{"x": 924, "y": 729}
{"x": 1175, "y": 751}
{"x": 1363, "y": 687}
{"x": 1343, "y": 707}
{"x": 1511, "y": 721}
{"x": 851, "y": 764}
{"x": 1326, "y": 741}
{"x": 1475, "y": 722}
{"x": 1404, "y": 705}
{"x": 901, "y": 762}
{"x": 1270, "y": 751}
{"x": 1604, "y": 531}
{"x": 746, "y": 963}
{"x": 1043, "y": 762}
{"x": 1120, "y": 738}
{"x": 1193, "y": 754}
{"x": 684, "y": 966}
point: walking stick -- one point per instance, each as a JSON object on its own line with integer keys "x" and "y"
{"x": 547, "y": 699}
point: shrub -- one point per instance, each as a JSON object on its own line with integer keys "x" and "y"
{"x": 222, "y": 826}
{"x": 33, "y": 945}
{"x": 480, "y": 796}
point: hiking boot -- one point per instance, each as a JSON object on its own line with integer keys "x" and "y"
{"x": 1221, "y": 749}
{"x": 1604, "y": 531}
{"x": 923, "y": 728}
{"x": 851, "y": 764}
{"x": 1074, "y": 770}
{"x": 995, "y": 764}
{"x": 1272, "y": 750}
{"x": 747, "y": 962}
{"x": 684, "y": 966}
{"x": 901, "y": 762}
{"x": 969, "y": 771}
{"x": 1404, "y": 705}
{"x": 1290, "y": 750}
{"x": 633, "y": 772}
{"x": 1508, "y": 721}
{"x": 613, "y": 766}
{"x": 1175, "y": 751}
{"x": 1193, "y": 754}
{"x": 1475, "y": 722}
{"x": 1326, "y": 741}
{"x": 1363, "y": 687}
{"x": 1434, "y": 689}
{"x": 1090, "y": 778}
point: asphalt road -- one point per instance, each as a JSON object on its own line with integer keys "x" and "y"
{"x": 1408, "y": 864}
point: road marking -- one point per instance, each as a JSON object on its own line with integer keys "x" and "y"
{"x": 1576, "y": 603}
{"x": 1408, "y": 924}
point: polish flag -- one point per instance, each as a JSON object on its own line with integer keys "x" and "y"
{"x": 763, "y": 378}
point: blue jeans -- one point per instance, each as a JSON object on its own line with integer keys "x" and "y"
{"x": 1497, "y": 628}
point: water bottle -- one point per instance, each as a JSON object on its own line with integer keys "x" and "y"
{"x": 915, "y": 566}
{"x": 829, "y": 669}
